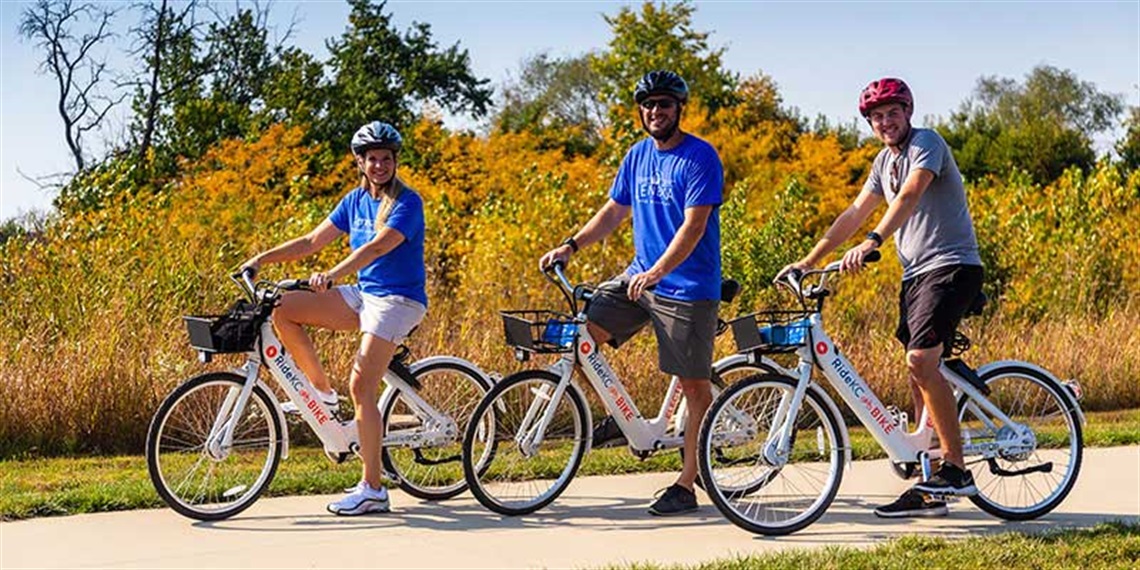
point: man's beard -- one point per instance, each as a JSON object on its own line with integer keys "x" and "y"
{"x": 663, "y": 136}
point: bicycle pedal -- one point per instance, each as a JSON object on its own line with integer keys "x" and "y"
{"x": 290, "y": 408}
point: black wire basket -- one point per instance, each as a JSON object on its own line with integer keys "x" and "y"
{"x": 541, "y": 332}
{"x": 771, "y": 331}
{"x": 235, "y": 331}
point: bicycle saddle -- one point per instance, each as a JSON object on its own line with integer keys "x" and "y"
{"x": 729, "y": 289}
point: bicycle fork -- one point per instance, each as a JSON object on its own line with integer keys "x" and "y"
{"x": 541, "y": 411}
{"x": 777, "y": 447}
{"x": 220, "y": 441}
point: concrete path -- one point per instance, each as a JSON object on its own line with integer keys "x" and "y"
{"x": 599, "y": 520}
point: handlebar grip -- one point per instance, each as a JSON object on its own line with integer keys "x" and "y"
{"x": 873, "y": 256}
{"x": 297, "y": 285}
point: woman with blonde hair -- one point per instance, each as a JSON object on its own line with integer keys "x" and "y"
{"x": 384, "y": 220}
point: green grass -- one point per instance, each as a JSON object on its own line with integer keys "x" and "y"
{"x": 62, "y": 486}
{"x": 1107, "y": 545}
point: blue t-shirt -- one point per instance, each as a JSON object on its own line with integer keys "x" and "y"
{"x": 400, "y": 271}
{"x": 659, "y": 185}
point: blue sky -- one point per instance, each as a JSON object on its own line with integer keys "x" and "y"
{"x": 820, "y": 54}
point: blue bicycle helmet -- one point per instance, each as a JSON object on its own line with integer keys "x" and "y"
{"x": 376, "y": 134}
{"x": 661, "y": 82}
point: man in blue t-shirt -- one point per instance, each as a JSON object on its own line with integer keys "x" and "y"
{"x": 672, "y": 183}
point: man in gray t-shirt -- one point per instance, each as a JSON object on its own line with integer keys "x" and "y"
{"x": 942, "y": 271}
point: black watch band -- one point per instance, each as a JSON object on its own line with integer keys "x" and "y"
{"x": 875, "y": 237}
{"x": 572, "y": 243}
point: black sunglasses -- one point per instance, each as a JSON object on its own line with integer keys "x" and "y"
{"x": 650, "y": 104}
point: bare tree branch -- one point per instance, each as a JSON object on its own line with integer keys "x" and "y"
{"x": 69, "y": 59}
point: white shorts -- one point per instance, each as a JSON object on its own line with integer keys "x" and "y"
{"x": 391, "y": 317}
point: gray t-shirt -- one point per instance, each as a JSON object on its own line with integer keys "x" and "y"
{"x": 939, "y": 232}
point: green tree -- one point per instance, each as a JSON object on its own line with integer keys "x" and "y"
{"x": 1043, "y": 126}
{"x": 379, "y": 73}
{"x": 67, "y": 33}
{"x": 1128, "y": 148}
{"x": 661, "y": 36}
{"x": 557, "y": 100}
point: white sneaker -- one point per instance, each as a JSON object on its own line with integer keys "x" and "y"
{"x": 361, "y": 500}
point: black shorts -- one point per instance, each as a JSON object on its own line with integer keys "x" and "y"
{"x": 932, "y": 304}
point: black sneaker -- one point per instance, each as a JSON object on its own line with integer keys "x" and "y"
{"x": 607, "y": 434}
{"x": 949, "y": 480}
{"x": 912, "y": 504}
{"x": 674, "y": 500}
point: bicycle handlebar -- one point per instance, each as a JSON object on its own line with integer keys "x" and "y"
{"x": 794, "y": 279}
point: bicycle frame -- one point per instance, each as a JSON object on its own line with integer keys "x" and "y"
{"x": 642, "y": 434}
{"x": 338, "y": 438}
{"x": 900, "y": 445}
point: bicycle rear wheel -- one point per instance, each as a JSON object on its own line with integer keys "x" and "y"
{"x": 513, "y": 466}
{"x": 758, "y": 494}
{"x": 1026, "y": 483}
{"x": 433, "y": 471}
{"x": 202, "y": 481}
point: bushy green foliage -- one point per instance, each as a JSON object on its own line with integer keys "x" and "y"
{"x": 1043, "y": 126}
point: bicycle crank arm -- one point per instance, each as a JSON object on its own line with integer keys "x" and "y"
{"x": 1046, "y": 467}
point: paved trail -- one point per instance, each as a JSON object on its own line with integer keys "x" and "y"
{"x": 599, "y": 520}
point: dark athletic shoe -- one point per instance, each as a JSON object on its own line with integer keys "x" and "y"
{"x": 949, "y": 480}
{"x": 674, "y": 500}
{"x": 912, "y": 504}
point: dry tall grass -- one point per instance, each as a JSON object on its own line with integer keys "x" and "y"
{"x": 91, "y": 337}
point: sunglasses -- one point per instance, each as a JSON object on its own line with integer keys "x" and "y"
{"x": 651, "y": 104}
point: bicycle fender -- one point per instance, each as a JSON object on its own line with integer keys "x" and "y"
{"x": 419, "y": 364}
{"x": 1072, "y": 400}
{"x": 751, "y": 359}
{"x": 276, "y": 408}
{"x": 819, "y": 391}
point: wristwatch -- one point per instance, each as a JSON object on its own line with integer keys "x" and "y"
{"x": 875, "y": 237}
{"x": 572, "y": 243}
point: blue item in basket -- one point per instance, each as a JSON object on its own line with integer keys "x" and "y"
{"x": 789, "y": 334}
{"x": 559, "y": 333}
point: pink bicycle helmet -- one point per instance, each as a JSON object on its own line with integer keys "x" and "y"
{"x": 883, "y": 91}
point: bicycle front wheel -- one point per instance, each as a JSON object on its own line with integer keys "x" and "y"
{"x": 433, "y": 470}
{"x": 522, "y": 448}
{"x": 192, "y": 472}
{"x": 751, "y": 484}
{"x": 1022, "y": 479}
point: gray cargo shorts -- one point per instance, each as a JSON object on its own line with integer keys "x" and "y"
{"x": 685, "y": 329}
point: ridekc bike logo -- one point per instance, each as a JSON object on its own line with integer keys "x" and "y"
{"x": 586, "y": 348}
{"x": 271, "y": 352}
{"x": 821, "y": 347}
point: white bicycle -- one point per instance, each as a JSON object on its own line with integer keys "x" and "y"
{"x": 529, "y": 434}
{"x": 1021, "y": 426}
{"x": 215, "y": 442}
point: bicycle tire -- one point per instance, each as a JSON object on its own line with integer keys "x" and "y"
{"x": 489, "y": 458}
{"x": 434, "y": 472}
{"x": 992, "y": 482}
{"x": 172, "y": 440}
{"x": 742, "y": 508}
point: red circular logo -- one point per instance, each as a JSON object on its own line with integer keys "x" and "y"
{"x": 821, "y": 347}
{"x": 271, "y": 351}
{"x": 586, "y": 348}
